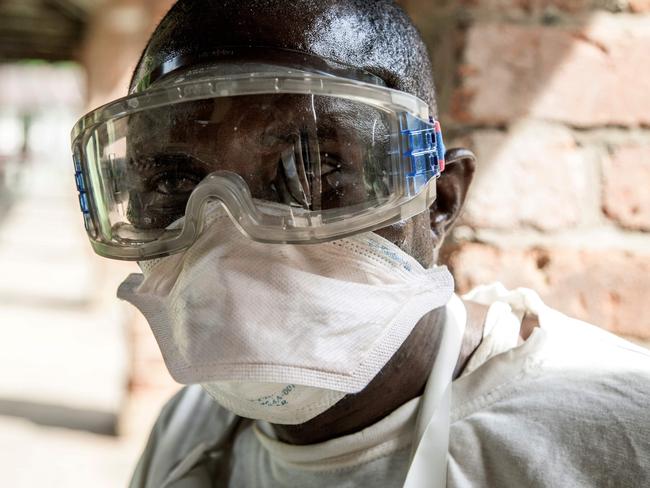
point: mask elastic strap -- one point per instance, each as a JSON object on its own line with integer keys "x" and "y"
{"x": 431, "y": 444}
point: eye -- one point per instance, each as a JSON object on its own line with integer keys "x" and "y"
{"x": 329, "y": 165}
{"x": 333, "y": 179}
{"x": 175, "y": 183}
{"x": 272, "y": 141}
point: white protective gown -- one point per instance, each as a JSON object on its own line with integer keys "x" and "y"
{"x": 569, "y": 407}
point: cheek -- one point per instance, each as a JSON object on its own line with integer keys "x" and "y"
{"x": 413, "y": 236}
{"x": 423, "y": 246}
{"x": 399, "y": 234}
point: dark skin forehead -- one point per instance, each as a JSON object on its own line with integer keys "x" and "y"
{"x": 375, "y": 36}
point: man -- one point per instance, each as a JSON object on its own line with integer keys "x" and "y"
{"x": 263, "y": 142}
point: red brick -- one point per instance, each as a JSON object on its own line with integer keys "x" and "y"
{"x": 639, "y": 6}
{"x": 626, "y": 198}
{"x": 515, "y": 7}
{"x": 589, "y": 76}
{"x": 606, "y": 288}
{"x": 639, "y": 342}
{"x": 532, "y": 176}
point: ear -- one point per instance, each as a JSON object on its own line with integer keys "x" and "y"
{"x": 452, "y": 187}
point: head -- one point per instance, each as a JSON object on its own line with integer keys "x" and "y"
{"x": 376, "y": 37}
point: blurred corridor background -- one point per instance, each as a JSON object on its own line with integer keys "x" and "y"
{"x": 553, "y": 95}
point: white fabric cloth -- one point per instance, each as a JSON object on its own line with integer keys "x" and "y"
{"x": 568, "y": 407}
{"x": 430, "y": 445}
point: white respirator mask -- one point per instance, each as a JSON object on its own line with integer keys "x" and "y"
{"x": 281, "y": 332}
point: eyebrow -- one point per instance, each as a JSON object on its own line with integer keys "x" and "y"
{"x": 164, "y": 159}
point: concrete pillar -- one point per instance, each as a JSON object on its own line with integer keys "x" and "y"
{"x": 117, "y": 34}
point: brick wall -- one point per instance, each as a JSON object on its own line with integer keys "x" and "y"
{"x": 554, "y": 98}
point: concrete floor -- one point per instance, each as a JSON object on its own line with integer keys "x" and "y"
{"x": 39, "y": 455}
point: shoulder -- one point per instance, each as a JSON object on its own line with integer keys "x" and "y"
{"x": 189, "y": 420}
{"x": 588, "y": 421}
{"x": 576, "y": 345}
{"x": 572, "y": 396}
{"x": 582, "y": 356}
{"x": 568, "y": 342}
{"x": 191, "y": 404}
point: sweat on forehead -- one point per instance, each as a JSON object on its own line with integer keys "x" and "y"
{"x": 374, "y": 35}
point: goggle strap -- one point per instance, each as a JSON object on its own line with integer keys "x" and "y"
{"x": 440, "y": 144}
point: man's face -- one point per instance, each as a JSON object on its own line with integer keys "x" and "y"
{"x": 311, "y": 153}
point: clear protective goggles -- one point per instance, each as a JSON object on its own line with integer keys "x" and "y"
{"x": 295, "y": 155}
